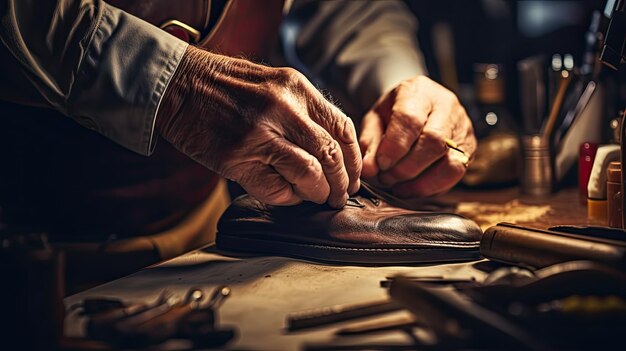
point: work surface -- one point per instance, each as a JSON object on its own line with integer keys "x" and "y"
{"x": 266, "y": 289}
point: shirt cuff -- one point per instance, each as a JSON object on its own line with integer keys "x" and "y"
{"x": 126, "y": 68}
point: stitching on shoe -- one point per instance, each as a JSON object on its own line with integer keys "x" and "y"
{"x": 429, "y": 243}
{"x": 352, "y": 201}
{"x": 380, "y": 249}
{"x": 359, "y": 249}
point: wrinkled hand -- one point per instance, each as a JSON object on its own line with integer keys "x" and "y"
{"x": 266, "y": 128}
{"x": 403, "y": 139}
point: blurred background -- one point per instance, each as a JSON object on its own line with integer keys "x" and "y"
{"x": 503, "y": 33}
{"x": 529, "y": 75}
{"x": 507, "y": 61}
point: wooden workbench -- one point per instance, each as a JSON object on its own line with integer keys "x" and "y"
{"x": 489, "y": 207}
{"x": 266, "y": 289}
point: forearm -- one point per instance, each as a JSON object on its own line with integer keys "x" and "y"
{"x": 217, "y": 86}
{"x": 94, "y": 63}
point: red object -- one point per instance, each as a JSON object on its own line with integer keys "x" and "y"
{"x": 586, "y": 155}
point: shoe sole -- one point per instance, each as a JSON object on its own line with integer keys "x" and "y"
{"x": 228, "y": 244}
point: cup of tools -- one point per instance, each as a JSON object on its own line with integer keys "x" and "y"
{"x": 537, "y": 171}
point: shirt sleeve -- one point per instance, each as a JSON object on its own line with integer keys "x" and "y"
{"x": 365, "y": 47}
{"x": 98, "y": 65}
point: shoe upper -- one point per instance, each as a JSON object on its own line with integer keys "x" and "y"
{"x": 365, "y": 222}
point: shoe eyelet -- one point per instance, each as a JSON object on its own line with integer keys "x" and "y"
{"x": 354, "y": 202}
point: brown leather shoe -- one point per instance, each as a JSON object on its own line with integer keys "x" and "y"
{"x": 366, "y": 230}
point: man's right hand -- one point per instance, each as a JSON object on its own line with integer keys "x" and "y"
{"x": 266, "y": 128}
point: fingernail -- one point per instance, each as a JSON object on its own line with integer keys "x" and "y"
{"x": 349, "y": 133}
{"x": 384, "y": 163}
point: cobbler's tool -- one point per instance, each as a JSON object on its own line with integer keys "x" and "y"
{"x": 217, "y": 298}
{"x": 369, "y": 327}
{"x": 541, "y": 248}
{"x": 334, "y": 314}
{"x": 456, "y": 320}
{"x": 139, "y": 325}
{"x": 564, "y": 82}
{"x": 460, "y": 154}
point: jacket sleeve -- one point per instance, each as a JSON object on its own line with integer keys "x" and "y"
{"x": 96, "y": 64}
{"x": 364, "y": 47}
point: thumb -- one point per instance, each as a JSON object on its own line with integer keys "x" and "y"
{"x": 372, "y": 130}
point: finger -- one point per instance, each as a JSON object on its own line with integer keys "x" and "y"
{"x": 299, "y": 168}
{"x": 439, "y": 178}
{"x": 372, "y": 130}
{"x": 430, "y": 147}
{"x": 407, "y": 119}
{"x": 464, "y": 136}
{"x": 265, "y": 184}
{"x": 342, "y": 129}
{"x": 317, "y": 142}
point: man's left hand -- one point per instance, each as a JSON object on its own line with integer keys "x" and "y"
{"x": 403, "y": 139}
